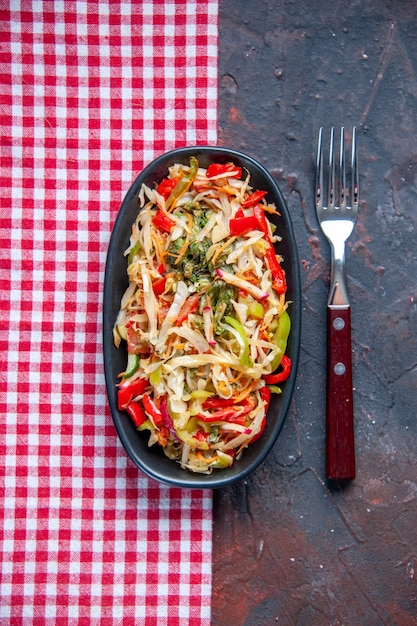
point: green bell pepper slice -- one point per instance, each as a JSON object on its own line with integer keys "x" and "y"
{"x": 242, "y": 338}
{"x": 281, "y": 337}
{"x": 183, "y": 184}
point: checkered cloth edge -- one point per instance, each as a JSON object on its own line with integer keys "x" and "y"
{"x": 90, "y": 92}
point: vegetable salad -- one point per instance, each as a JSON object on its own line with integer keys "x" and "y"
{"x": 204, "y": 317}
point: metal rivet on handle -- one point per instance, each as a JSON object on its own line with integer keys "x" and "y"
{"x": 339, "y": 369}
{"x": 338, "y": 323}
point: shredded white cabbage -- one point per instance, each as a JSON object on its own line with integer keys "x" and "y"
{"x": 204, "y": 313}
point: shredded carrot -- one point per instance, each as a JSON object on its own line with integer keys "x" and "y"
{"x": 249, "y": 276}
{"x": 227, "y": 189}
{"x": 238, "y": 377}
{"x": 187, "y": 240}
{"x": 170, "y": 347}
{"x": 270, "y": 209}
{"x": 243, "y": 446}
{"x": 222, "y": 248}
{"x": 159, "y": 245}
{"x": 212, "y": 459}
{"x": 246, "y": 391}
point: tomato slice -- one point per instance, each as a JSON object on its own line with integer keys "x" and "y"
{"x": 163, "y": 221}
{"x": 189, "y": 306}
{"x": 215, "y": 170}
{"x": 166, "y": 186}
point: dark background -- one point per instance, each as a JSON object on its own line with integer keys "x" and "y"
{"x": 288, "y": 548}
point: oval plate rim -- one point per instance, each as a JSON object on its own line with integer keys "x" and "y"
{"x": 152, "y": 461}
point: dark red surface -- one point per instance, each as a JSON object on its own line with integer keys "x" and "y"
{"x": 289, "y": 548}
{"x": 340, "y": 443}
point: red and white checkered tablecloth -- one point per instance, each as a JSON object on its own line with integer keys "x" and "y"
{"x": 90, "y": 92}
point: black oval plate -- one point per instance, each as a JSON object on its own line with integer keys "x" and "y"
{"x": 152, "y": 460}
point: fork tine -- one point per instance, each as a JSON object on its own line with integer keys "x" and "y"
{"x": 331, "y": 191}
{"x": 342, "y": 170}
{"x": 319, "y": 172}
{"x": 355, "y": 174}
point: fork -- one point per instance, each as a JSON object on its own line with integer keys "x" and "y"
{"x": 337, "y": 221}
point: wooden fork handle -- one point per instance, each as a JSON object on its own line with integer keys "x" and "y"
{"x": 340, "y": 445}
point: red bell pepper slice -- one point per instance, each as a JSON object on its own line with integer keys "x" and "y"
{"x": 189, "y": 306}
{"x": 241, "y": 226}
{"x": 200, "y": 435}
{"x": 280, "y": 377}
{"x": 232, "y": 414}
{"x": 136, "y": 413}
{"x": 163, "y": 221}
{"x": 265, "y": 394}
{"x": 254, "y": 198}
{"x": 228, "y": 170}
{"x": 278, "y": 276}
{"x": 126, "y": 394}
{"x": 158, "y": 286}
{"x": 228, "y": 414}
{"x": 279, "y": 281}
{"x": 215, "y": 402}
{"x": 262, "y": 221}
{"x": 162, "y": 436}
{"x": 152, "y": 410}
{"x": 166, "y": 186}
